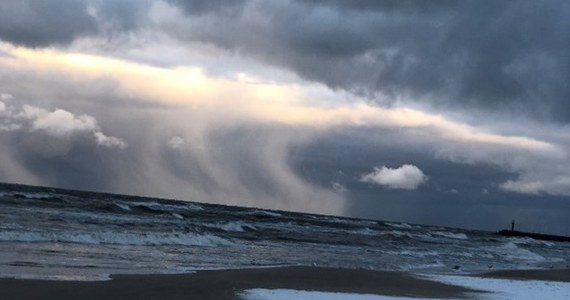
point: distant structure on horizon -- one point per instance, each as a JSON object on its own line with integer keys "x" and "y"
{"x": 536, "y": 236}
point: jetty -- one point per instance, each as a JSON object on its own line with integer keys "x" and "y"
{"x": 536, "y": 236}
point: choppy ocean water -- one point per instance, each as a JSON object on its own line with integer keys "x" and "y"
{"x": 50, "y": 233}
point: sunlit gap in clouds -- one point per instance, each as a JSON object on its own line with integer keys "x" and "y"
{"x": 273, "y": 102}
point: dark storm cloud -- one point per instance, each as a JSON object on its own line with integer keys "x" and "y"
{"x": 122, "y": 15}
{"x": 207, "y": 6}
{"x": 506, "y": 56}
{"x": 385, "y": 5}
{"x": 36, "y": 23}
{"x": 484, "y": 54}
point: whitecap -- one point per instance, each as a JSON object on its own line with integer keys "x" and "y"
{"x": 117, "y": 238}
{"x": 451, "y": 235}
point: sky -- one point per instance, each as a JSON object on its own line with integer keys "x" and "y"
{"x": 451, "y": 113}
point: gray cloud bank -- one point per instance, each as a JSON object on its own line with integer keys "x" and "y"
{"x": 509, "y": 56}
{"x": 40, "y": 23}
{"x": 35, "y": 23}
{"x": 473, "y": 58}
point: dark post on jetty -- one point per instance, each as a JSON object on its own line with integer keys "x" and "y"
{"x": 536, "y": 236}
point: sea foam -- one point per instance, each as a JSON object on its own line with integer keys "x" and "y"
{"x": 116, "y": 238}
{"x": 286, "y": 294}
{"x": 503, "y": 289}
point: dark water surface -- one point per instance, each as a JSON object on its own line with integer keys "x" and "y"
{"x": 70, "y": 235}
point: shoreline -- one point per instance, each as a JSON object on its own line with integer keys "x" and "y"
{"x": 230, "y": 284}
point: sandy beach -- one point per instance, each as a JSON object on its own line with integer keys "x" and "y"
{"x": 228, "y": 284}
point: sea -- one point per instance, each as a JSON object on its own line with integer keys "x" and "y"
{"x": 57, "y": 234}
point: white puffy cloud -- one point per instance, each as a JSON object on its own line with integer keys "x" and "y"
{"x": 6, "y": 122}
{"x": 109, "y": 141}
{"x": 176, "y": 142}
{"x": 529, "y": 187}
{"x": 558, "y": 186}
{"x": 406, "y": 177}
{"x": 5, "y": 96}
{"x": 58, "y": 124}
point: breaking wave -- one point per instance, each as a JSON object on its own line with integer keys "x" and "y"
{"x": 115, "y": 238}
{"x": 511, "y": 251}
{"x": 451, "y": 235}
{"x": 232, "y": 226}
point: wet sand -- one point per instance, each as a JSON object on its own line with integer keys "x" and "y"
{"x": 227, "y": 284}
{"x": 562, "y": 275}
